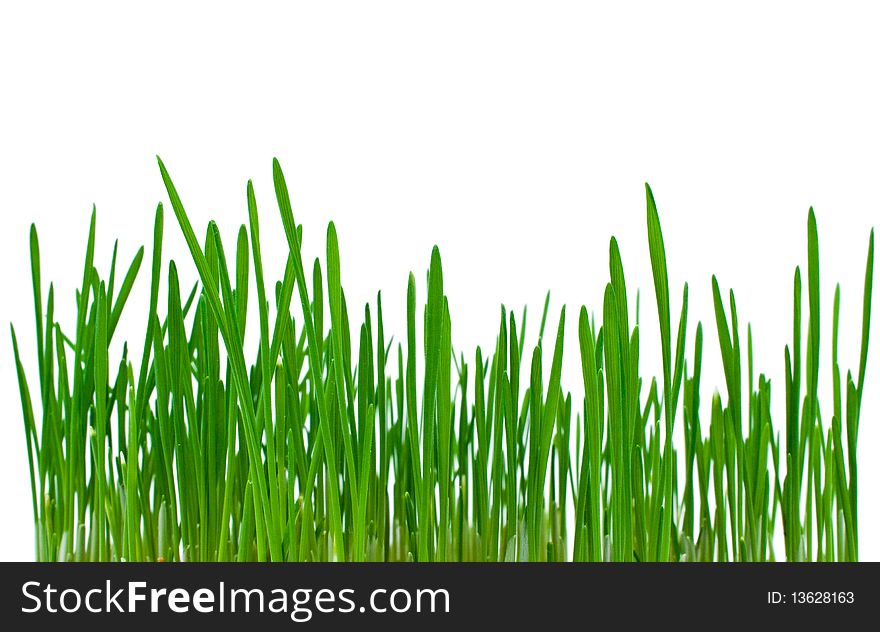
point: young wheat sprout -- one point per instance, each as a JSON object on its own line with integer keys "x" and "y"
{"x": 307, "y": 452}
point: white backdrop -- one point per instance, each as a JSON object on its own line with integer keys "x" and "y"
{"x": 517, "y": 136}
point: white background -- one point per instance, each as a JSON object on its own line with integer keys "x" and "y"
{"x": 516, "y": 136}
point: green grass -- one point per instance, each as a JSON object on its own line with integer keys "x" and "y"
{"x": 325, "y": 447}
